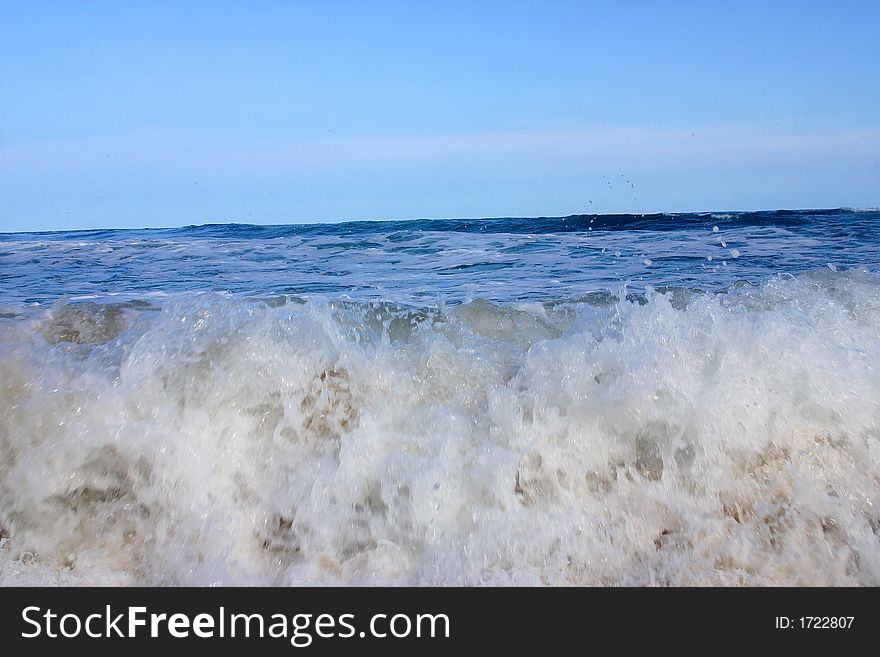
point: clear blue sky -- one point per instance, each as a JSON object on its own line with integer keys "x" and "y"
{"x": 120, "y": 114}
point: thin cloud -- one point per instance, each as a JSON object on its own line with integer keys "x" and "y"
{"x": 178, "y": 151}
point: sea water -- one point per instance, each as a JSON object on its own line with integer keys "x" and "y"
{"x": 679, "y": 399}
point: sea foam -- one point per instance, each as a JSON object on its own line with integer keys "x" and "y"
{"x": 675, "y": 437}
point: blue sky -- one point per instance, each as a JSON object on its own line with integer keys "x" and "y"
{"x": 124, "y": 114}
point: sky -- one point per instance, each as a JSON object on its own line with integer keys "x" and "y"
{"x": 135, "y": 113}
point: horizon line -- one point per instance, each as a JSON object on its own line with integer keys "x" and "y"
{"x": 342, "y": 222}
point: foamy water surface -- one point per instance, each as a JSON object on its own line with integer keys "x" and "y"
{"x": 671, "y": 399}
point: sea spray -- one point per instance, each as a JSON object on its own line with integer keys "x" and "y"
{"x": 670, "y": 437}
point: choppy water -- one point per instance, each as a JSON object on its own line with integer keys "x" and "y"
{"x": 659, "y": 399}
{"x": 415, "y": 261}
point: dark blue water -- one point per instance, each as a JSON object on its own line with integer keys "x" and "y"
{"x": 415, "y": 261}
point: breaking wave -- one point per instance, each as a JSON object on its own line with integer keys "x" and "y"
{"x": 673, "y": 438}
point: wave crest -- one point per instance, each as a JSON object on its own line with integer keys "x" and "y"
{"x": 675, "y": 439}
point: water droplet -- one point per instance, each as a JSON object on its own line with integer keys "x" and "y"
{"x": 648, "y": 262}
{"x": 734, "y": 253}
{"x": 714, "y": 229}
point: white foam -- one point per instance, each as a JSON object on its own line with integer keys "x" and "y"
{"x": 732, "y": 440}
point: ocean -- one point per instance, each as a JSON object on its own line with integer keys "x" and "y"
{"x": 669, "y": 399}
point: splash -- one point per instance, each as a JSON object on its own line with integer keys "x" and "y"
{"x": 672, "y": 437}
